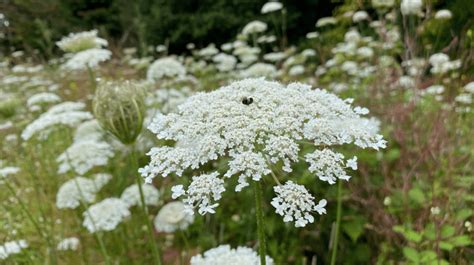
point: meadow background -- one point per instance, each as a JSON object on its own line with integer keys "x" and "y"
{"x": 411, "y": 66}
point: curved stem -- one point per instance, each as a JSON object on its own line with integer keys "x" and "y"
{"x": 260, "y": 221}
{"x": 338, "y": 222}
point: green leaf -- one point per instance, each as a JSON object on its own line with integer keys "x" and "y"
{"x": 446, "y": 246}
{"x": 447, "y": 231}
{"x": 417, "y": 195}
{"x": 430, "y": 231}
{"x": 411, "y": 254}
{"x": 412, "y": 236}
{"x": 354, "y": 228}
{"x": 463, "y": 214}
{"x": 460, "y": 241}
{"x": 428, "y": 255}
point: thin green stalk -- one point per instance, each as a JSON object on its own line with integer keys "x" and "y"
{"x": 338, "y": 222}
{"x": 98, "y": 236}
{"x": 92, "y": 78}
{"x": 260, "y": 221}
{"x": 153, "y": 245}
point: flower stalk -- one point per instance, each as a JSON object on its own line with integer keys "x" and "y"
{"x": 260, "y": 222}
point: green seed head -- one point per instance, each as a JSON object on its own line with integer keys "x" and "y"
{"x": 120, "y": 108}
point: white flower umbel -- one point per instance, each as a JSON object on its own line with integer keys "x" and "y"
{"x": 11, "y": 248}
{"x": 443, "y": 14}
{"x": 131, "y": 195}
{"x": 411, "y": 7}
{"x": 225, "y": 255}
{"x": 105, "y": 215}
{"x": 163, "y": 68}
{"x": 76, "y": 42}
{"x": 173, "y": 217}
{"x": 254, "y": 27}
{"x": 70, "y": 243}
{"x": 296, "y": 204}
{"x": 256, "y": 123}
{"x": 42, "y": 99}
{"x": 87, "y": 59}
{"x": 79, "y": 189}
{"x": 269, "y": 7}
{"x": 67, "y": 114}
{"x": 7, "y": 171}
{"x": 84, "y": 155}
{"x": 203, "y": 191}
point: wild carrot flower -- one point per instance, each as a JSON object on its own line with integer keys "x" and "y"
{"x": 105, "y": 215}
{"x": 165, "y": 68}
{"x": 223, "y": 254}
{"x": 76, "y": 42}
{"x": 257, "y": 123}
{"x": 80, "y": 190}
{"x": 270, "y": 7}
{"x": 172, "y": 217}
{"x": 70, "y": 243}
{"x": 131, "y": 195}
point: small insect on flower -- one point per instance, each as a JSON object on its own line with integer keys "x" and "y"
{"x": 247, "y": 101}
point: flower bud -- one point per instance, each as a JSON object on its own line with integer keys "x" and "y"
{"x": 120, "y": 108}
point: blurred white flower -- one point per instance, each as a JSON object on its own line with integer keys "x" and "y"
{"x": 225, "y": 62}
{"x": 167, "y": 67}
{"x": 67, "y": 113}
{"x": 269, "y": 7}
{"x": 254, "y": 27}
{"x": 296, "y": 204}
{"x": 325, "y": 21}
{"x": 131, "y": 195}
{"x": 312, "y": 35}
{"x": 12, "y": 247}
{"x": 208, "y": 51}
{"x": 443, "y": 14}
{"x": 70, "y": 243}
{"x": 42, "y": 99}
{"x": 360, "y": 16}
{"x": 87, "y": 59}
{"x": 383, "y": 3}
{"x": 469, "y": 87}
{"x": 173, "y": 217}
{"x": 79, "y": 189}
{"x": 84, "y": 155}
{"x": 105, "y": 215}
{"x": 223, "y": 254}
{"x": 296, "y": 70}
{"x": 411, "y": 7}
{"x": 259, "y": 69}
{"x": 7, "y": 171}
{"x": 76, "y": 42}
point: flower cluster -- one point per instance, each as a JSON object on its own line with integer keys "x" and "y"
{"x": 295, "y": 203}
{"x": 87, "y": 59}
{"x": 76, "y": 42}
{"x": 163, "y": 68}
{"x": 84, "y": 155}
{"x": 257, "y": 123}
{"x": 173, "y": 217}
{"x": 131, "y": 195}
{"x": 40, "y": 99}
{"x": 12, "y": 247}
{"x": 67, "y": 113}
{"x": 70, "y": 243}
{"x": 105, "y": 215}
{"x": 225, "y": 255}
{"x": 202, "y": 191}
{"x": 80, "y": 190}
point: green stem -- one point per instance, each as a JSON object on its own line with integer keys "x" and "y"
{"x": 92, "y": 78}
{"x": 153, "y": 246}
{"x": 338, "y": 222}
{"x": 260, "y": 221}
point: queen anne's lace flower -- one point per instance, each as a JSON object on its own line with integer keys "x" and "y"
{"x": 105, "y": 215}
{"x": 12, "y": 247}
{"x": 254, "y": 27}
{"x": 411, "y": 7}
{"x": 172, "y": 217}
{"x": 269, "y": 7}
{"x": 42, "y": 98}
{"x": 80, "y": 189}
{"x": 260, "y": 69}
{"x": 131, "y": 195}
{"x": 82, "y": 156}
{"x": 443, "y": 14}
{"x": 201, "y": 193}
{"x": 167, "y": 67}
{"x": 67, "y": 113}
{"x": 328, "y": 165}
{"x": 87, "y": 59}
{"x": 225, "y": 255}
{"x": 70, "y": 243}
{"x": 257, "y": 123}
{"x": 76, "y": 42}
{"x": 295, "y": 203}
{"x": 6, "y": 171}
